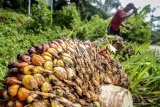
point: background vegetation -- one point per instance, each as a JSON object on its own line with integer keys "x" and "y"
{"x": 18, "y": 32}
{"x": 140, "y": 30}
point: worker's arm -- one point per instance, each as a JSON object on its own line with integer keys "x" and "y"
{"x": 128, "y": 14}
{"x": 127, "y": 27}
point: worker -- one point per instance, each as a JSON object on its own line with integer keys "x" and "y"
{"x": 119, "y": 17}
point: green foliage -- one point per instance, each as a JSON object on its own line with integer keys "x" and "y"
{"x": 67, "y": 17}
{"x": 41, "y": 18}
{"x": 92, "y": 29}
{"x": 11, "y": 17}
{"x": 139, "y": 31}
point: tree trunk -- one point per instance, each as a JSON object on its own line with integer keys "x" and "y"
{"x": 115, "y": 96}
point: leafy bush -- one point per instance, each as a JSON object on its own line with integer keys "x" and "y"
{"x": 67, "y": 17}
{"x": 41, "y": 18}
{"x": 11, "y": 17}
{"x": 92, "y": 29}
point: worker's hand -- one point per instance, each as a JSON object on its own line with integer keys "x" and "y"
{"x": 135, "y": 10}
{"x": 127, "y": 27}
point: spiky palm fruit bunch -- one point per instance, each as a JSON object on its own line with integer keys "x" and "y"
{"x": 62, "y": 73}
{"x": 122, "y": 47}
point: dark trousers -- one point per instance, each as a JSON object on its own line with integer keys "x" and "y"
{"x": 111, "y": 31}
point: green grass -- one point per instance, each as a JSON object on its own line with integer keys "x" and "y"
{"x": 144, "y": 74}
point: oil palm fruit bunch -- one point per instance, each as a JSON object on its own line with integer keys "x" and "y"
{"x": 117, "y": 45}
{"x": 62, "y": 73}
{"x": 121, "y": 44}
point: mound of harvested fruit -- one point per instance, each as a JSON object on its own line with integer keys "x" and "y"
{"x": 62, "y": 73}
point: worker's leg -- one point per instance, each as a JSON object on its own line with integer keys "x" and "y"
{"x": 111, "y": 31}
{"x": 117, "y": 32}
{"x": 108, "y": 30}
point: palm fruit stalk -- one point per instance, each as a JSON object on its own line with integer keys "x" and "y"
{"x": 62, "y": 73}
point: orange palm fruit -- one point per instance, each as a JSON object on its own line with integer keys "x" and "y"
{"x": 70, "y": 73}
{"x": 13, "y": 90}
{"x": 46, "y": 87}
{"x": 24, "y": 58}
{"x": 63, "y": 45}
{"x": 59, "y": 41}
{"x": 31, "y": 97}
{"x": 47, "y": 102}
{"x": 67, "y": 60}
{"x": 59, "y": 48}
{"x": 38, "y": 104}
{"x": 48, "y": 65}
{"x": 55, "y": 42}
{"x": 52, "y": 45}
{"x": 45, "y": 47}
{"x": 46, "y": 54}
{"x": 53, "y": 51}
{"x": 32, "y": 50}
{"x": 21, "y": 65}
{"x": 38, "y": 70}
{"x": 47, "y": 58}
{"x": 18, "y": 103}
{"x": 39, "y": 78}
{"x": 27, "y": 70}
{"x": 20, "y": 76}
{"x": 11, "y": 81}
{"x": 55, "y": 61}
{"x": 60, "y": 62}
{"x": 67, "y": 55}
{"x": 10, "y": 103}
{"x": 37, "y": 60}
{"x": 29, "y": 82}
{"x": 23, "y": 93}
{"x": 52, "y": 77}
{"x": 5, "y": 94}
{"x": 60, "y": 72}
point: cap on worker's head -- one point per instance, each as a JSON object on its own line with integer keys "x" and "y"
{"x": 131, "y": 5}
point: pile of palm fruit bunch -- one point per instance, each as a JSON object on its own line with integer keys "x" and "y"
{"x": 122, "y": 46}
{"x": 62, "y": 73}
